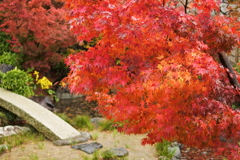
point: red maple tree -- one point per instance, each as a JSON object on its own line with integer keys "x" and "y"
{"x": 156, "y": 69}
{"x": 38, "y": 30}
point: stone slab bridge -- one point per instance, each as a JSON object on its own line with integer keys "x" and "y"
{"x": 46, "y": 122}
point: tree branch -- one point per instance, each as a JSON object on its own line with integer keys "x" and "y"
{"x": 226, "y": 63}
{"x": 185, "y": 5}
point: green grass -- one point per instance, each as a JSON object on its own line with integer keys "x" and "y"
{"x": 41, "y": 146}
{"x": 86, "y": 158}
{"x": 103, "y": 155}
{"x": 107, "y": 155}
{"x": 83, "y": 122}
{"x": 162, "y": 150}
{"x": 65, "y": 117}
{"x": 107, "y": 125}
{"x": 33, "y": 156}
{"x": 19, "y": 139}
{"x": 79, "y": 122}
{"x": 94, "y": 136}
{"x": 115, "y": 132}
{"x": 96, "y": 155}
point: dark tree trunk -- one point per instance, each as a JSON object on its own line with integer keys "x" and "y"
{"x": 231, "y": 75}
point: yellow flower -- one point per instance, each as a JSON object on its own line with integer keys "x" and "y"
{"x": 37, "y": 75}
{"x": 44, "y": 82}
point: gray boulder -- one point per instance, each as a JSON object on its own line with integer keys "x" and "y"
{"x": 6, "y": 67}
{"x": 176, "y": 151}
{"x": 44, "y": 101}
{"x": 118, "y": 151}
{"x": 88, "y": 147}
{"x": 64, "y": 93}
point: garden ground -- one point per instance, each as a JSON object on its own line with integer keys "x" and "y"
{"x": 45, "y": 150}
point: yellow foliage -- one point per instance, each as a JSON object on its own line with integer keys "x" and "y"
{"x": 37, "y": 75}
{"x": 44, "y": 82}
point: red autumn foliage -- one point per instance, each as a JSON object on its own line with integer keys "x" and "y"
{"x": 38, "y": 30}
{"x": 159, "y": 62}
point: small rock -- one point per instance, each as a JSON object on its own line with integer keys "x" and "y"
{"x": 19, "y": 129}
{"x": 176, "y": 151}
{"x": 88, "y": 147}
{"x": 173, "y": 144}
{"x": 10, "y": 130}
{"x": 97, "y": 120}
{"x": 46, "y": 102}
{"x": 64, "y": 93}
{"x": 62, "y": 142}
{"x": 6, "y": 67}
{"x": 83, "y": 137}
{"x": 118, "y": 151}
{"x": 204, "y": 152}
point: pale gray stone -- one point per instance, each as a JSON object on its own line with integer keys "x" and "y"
{"x": 46, "y": 122}
{"x": 7, "y": 131}
{"x": 176, "y": 151}
{"x": 23, "y": 129}
{"x": 83, "y": 137}
{"x": 11, "y": 130}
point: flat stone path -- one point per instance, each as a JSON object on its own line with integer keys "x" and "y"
{"x": 46, "y": 122}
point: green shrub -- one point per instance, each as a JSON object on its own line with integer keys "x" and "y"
{"x": 17, "y": 81}
{"x": 82, "y": 122}
{"x": 162, "y": 150}
{"x": 79, "y": 122}
{"x": 96, "y": 155}
{"x": 107, "y": 125}
{"x": 11, "y": 58}
{"x": 237, "y": 67}
{"x": 65, "y": 117}
{"x": 4, "y": 45}
{"x": 235, "y": 106}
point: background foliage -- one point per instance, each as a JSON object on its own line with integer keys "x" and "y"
{"x": 38, "y": 30}
{"x": 4, "y": 45}
{"x": 161, "y": 60}
{"x": 11, "y": 58}
{"x": 17, "y": 81}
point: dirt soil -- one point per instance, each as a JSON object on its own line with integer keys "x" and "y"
{"x": 45, "y": 150}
